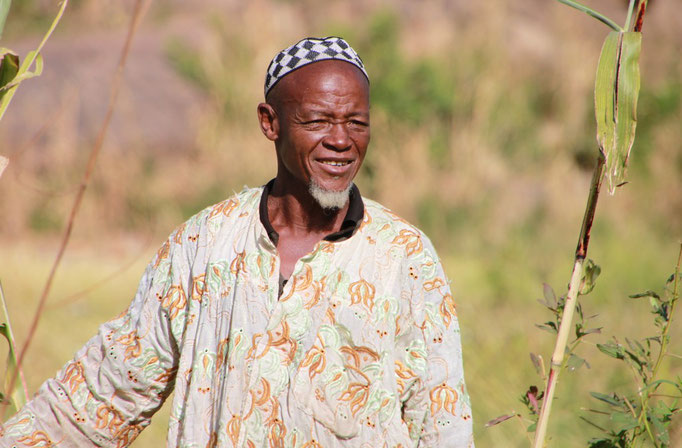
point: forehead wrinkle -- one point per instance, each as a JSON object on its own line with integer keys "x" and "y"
{"x": 318, "y": 83}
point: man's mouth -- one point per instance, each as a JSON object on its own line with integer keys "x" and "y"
{"x": 335, "y": 162}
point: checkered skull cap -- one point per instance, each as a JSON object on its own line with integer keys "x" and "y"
{"x": 307, "y": 51}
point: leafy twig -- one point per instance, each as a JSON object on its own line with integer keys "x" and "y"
{"x": 24, "y": 72}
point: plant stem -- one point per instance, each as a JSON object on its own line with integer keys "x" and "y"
{"x": 631, "y": 7}
{"x": 673, "y": 300}
{"x": 557, "y": 362}
{"x": 19, "y": 397}
{"x": 641, "y": 10}
{"x": 523, "y": 426}
{"x": 591, "y": 12}
{"x": 140, "y": 7}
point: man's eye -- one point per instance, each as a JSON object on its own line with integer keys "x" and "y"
{"x": 359, "y": 123}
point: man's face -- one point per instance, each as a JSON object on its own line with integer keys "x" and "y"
{"x": 323, "y": 115}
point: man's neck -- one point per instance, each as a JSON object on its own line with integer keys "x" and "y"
{"x": 293, "y": 211}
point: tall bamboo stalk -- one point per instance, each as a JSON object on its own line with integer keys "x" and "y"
{"x": 570, "y": 304}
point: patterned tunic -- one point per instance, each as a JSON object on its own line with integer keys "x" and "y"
{"x": 362, "y": 348}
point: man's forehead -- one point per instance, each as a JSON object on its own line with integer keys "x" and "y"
{"x": 308, "y": 51}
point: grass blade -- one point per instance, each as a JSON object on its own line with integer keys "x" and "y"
{"x": 4, "y": 10}
{"x": 591, "y": 12}
{"x": 17, "y": 395}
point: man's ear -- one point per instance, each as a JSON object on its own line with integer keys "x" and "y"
{"x": 269, "y": 122}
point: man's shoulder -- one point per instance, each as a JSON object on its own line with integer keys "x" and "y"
{"x": 238, "y": 206}
{"x": 378, "y": 217}
{"x": 383, "y": 225}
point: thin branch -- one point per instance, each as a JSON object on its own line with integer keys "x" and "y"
{"x": 140, "y": 8}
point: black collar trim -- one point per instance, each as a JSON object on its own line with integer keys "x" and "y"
{"x": 352, "y": 221}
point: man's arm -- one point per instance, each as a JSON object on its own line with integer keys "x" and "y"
{"x": 436, "y": 407}
{"x": 107, "y": 394}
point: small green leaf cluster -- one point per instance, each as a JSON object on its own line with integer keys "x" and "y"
{"x": 556, "y": 306}
{"x": 532, "y": 398}
{"x": 644, "y": 414}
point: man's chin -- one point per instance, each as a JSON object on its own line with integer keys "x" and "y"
{"x": 329, "y": 199}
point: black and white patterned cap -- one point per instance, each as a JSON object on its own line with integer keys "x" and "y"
{"x": 307, "y": 51}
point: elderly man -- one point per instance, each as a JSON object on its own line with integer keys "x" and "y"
{"x": 297, "y": 314}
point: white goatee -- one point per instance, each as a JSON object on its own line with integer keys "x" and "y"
{"x": 329, "y": 199}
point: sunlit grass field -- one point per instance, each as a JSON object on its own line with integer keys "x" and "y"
{"x": 482, "y": 135}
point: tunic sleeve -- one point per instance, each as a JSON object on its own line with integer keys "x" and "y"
{"x": 109, "y": 391}
{"x": 436, "y": 409}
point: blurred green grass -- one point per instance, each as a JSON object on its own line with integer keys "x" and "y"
{"x": 482, "y": 135}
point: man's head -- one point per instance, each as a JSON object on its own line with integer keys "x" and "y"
{"x": 318, "y": 117}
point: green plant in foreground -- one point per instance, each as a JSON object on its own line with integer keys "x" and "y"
{"x": 643, "y": 415}
{"x": 616, "y": 93}
{"x": 615, "y": 101}
{"x": 533, "y": 398}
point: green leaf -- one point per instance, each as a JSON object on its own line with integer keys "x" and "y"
{"x": 615, "y": 98}
{"x": 660, "y": 429}
{"x": 498, "y": 420}
{"x": 9, "y": 67}
{"x": 575, "y": 362}
{"x": 24, "y": 72}
{"x": 645, "y": 294}
{"x": 550, "y": 296}
{"x": 624, "y": 420}
{"x": 613, "y": 350}
{"x": 590, "y": 273}
{"x": 602, "y": 443}
{"x": 548, "y": 326}
{"x": 4, "y": 10}
{"x": 17, "y": 396}
{"x": 606, "y": 399}
{"x": 654, "y": 385}
{"x": 538, "y": 364}
{"x": 14, "y": 395}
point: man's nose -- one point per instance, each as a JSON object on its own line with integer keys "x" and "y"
{"x": 338, "y": 138}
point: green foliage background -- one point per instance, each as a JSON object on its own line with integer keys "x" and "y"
{"x": 482, "y": 134}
